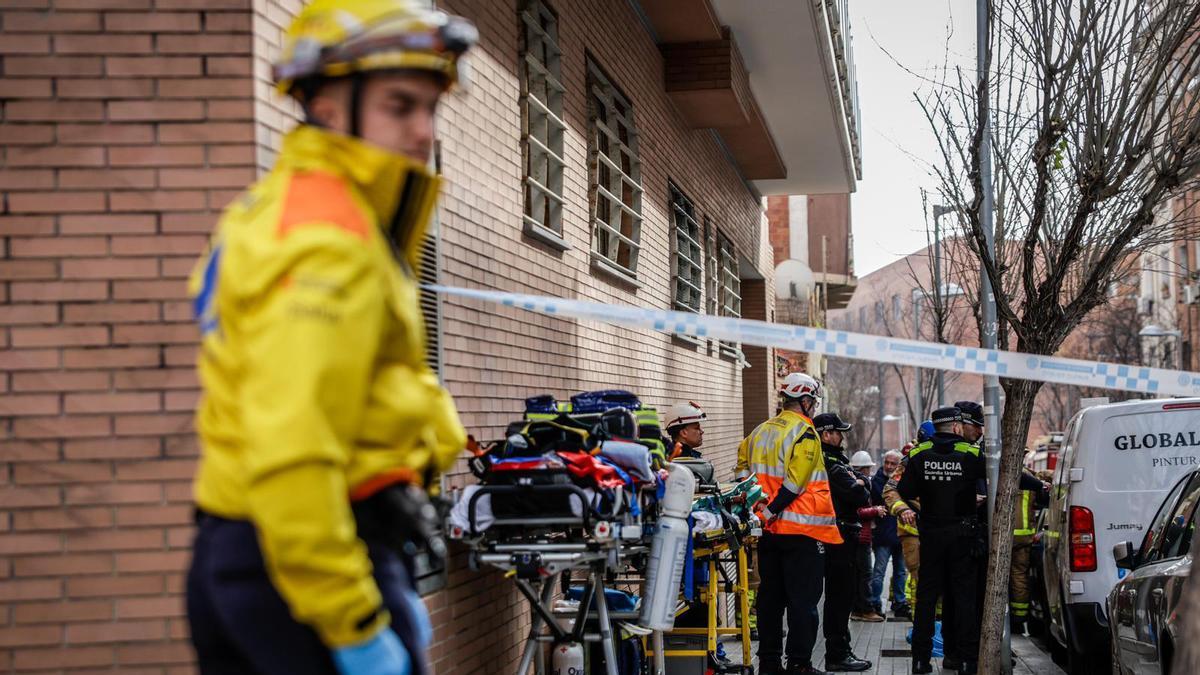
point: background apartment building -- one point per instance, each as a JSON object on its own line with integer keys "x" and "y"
{"x": 606, "y": 150}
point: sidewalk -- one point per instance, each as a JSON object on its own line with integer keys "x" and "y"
{"x": 884, "y": 645}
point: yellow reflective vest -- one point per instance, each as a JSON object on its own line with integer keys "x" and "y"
{"x": 785, "y": 452}
{"x": 313, "y": 368}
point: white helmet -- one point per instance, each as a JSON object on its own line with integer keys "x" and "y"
{"x": 862, "y": 458}
{"x": 799, "y": 385}
{"x": 683, "y": 414}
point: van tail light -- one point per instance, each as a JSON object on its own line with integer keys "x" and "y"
{"x": 1083, "y": 540}
{"x": 1181, "y": 406}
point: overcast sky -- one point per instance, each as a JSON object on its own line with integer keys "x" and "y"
{"x": 897, "y": 144}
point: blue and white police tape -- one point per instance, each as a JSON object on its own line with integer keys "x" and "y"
{"x": 875, "y": 348}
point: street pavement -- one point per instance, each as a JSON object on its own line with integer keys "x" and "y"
{"x": 885, "y": 646}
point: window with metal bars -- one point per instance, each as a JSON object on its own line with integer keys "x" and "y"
{"x": 729, "y": 292}
{"x": 542, "y": 126}
{"x": 616, "y": 184}
{"x": 712, "y": 273}
{"x": 688, "y": 264}
{"x": 730, "y": 283}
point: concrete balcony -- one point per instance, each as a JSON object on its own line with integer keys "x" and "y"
{"x": 774, "y": 79}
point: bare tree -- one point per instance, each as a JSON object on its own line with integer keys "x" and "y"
{"x": 1107, "y": 334}
{"x": 854, "y": 395}
{"x": 943, "y": 318}
{"x": 1094, "y": 127}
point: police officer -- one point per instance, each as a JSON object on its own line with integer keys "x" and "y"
{"x": 850, "y": 493}
{"x": 973, "y": 428}
{"x": 943, "y": 474}
{"x": 785, "y": 455}
{"x": 320, "y": 420}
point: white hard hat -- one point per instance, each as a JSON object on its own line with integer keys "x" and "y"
{"x": 797, "y": 385}
{"x": 862, "y": 458}
{"x": 682, "y": 414}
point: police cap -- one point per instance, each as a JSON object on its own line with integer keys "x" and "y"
{"x": 972, "y": 412}
{"x": 830, "y": 422}
{"x": 947, "y": 414}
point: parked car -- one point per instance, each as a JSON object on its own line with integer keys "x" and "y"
{"x": 1142, "y": 606}
{"x": 1116, "y": 464}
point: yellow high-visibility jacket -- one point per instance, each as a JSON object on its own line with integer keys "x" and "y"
{"x": 784, "y": 452}
{"x": 313, "y": 367}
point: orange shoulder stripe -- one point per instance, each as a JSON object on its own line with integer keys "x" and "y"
{"x": 315, "y": 198}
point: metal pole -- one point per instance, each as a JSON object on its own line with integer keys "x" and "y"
{"x": 824, "y": 300}
{"x": 917, "y": 371}
{"x": 991, "y": 386}
{"x": 937, "y": 297}
{"x": 879, "y": 414}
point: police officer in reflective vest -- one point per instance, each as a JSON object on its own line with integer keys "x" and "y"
{"x": 785, "y": 454}
{"x": 321, "y": 425}
{"x": 943, "y": 474}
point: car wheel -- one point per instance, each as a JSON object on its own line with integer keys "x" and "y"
{"x": 1058, "y": 653}
{"x": 1115, "y": 657}
{"x": 1166, "y": 655}
{"x": 1085, "y": 661}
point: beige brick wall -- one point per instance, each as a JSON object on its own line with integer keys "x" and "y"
{"x": 127, "y": 125}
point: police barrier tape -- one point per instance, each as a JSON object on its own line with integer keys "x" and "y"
{"x": 857, "y": 345}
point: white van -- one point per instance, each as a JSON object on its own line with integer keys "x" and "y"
{"x": 1116, "y": 463}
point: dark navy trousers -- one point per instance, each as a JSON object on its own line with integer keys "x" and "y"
{"x": 241, "y": 625}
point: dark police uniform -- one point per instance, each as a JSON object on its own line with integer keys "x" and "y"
{"x": 840, "y": 572}
{"x": 944, "y": 474}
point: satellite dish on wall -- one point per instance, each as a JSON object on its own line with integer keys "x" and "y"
{"x": 794, "y": 280}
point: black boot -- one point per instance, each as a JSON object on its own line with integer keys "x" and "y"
{"x": 969, "y": 668}
{"x": 952, "y": 663}
{"x": 921, "y": 667}
{"x": 1016, "y": 625}
{"x": 770, "y": 666}
{"x": 847, "y": 664}
{"x": 806, "y": 669}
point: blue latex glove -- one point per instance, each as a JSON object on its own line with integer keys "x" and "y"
{"x": 420, "y": 618}
{"x": 381, "y": 655}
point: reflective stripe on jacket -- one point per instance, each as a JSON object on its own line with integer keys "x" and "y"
{"x": 784, "y": 452}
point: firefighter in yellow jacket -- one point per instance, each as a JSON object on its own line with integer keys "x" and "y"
{"x": 1024, "y": 529}
{"x": 320, "y": 418}
{"x": 785, "y": 454}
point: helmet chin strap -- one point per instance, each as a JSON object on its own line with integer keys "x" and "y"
{"x": 357, "y": 85}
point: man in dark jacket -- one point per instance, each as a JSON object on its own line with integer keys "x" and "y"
{"x": 849, "y": 493}
{"x": 886, "y": 543}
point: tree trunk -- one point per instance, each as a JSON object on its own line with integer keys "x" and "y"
{"x": 1187, "y": 659}
{"x": 1014, "y": 427}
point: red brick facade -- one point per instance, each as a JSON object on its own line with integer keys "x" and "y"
{"x": 127, "y": 125}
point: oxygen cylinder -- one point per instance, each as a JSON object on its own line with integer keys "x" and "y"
{"x": 567, "y": 659}
{"x": 668, "y": 551}
{"x": 681, "y": 490}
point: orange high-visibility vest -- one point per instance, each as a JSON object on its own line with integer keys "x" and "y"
{"x": 784, "y": 452}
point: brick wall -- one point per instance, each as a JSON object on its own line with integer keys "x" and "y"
{"x": 126, "y": 126}
{"x": 493, "y": 359}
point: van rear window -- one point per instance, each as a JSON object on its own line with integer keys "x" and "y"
{"x": 1147, "y": 451}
